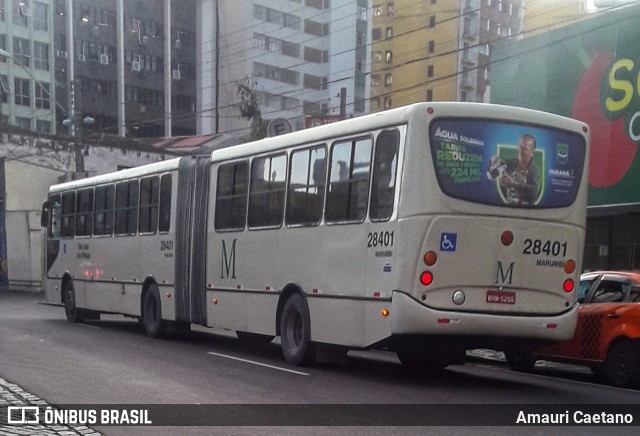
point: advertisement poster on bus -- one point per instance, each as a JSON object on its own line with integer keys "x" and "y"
{"x": 588, "y": 70}
{"x": 506, "y": 164}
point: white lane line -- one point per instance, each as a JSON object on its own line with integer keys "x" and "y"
{"x": 257, "y": 363}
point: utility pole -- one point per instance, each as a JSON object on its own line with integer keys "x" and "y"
{"x": 343, "y": 102}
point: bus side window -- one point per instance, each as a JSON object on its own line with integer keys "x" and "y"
{"x": 103, "y": 218}
{"x": 307, "y": 178}
{"x": 68, "y": 215}
{"x": 165, "y": 204}
{"x": 149, "y": 201}
{"x": 127, "y": 208}
{"x": 384, "y": 175}
{"x": 348, "y": 192}
{"x": 84, "y": 212}
{"x": 266, "y": 192}
{"x": 231, "y": 196}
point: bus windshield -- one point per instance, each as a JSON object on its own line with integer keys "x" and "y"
{"x": 507, "y": 164}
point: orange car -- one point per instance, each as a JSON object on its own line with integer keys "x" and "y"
{"x": 607, "y": 337}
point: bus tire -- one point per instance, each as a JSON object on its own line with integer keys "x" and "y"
{"x": 621, "y": 368}
{"x": 152, "y": 313}
{"x": 295, "y": 332}
{"x": 71, "y": 311}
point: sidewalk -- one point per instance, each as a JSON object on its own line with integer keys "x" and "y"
{"x": 13, "y": 395}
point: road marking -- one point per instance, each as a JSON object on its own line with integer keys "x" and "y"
{"x": 257, "y": 363}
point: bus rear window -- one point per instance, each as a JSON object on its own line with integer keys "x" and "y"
{"x": 507, "y": 164}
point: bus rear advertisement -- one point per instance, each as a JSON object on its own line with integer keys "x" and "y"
{"x": 427, "y": 230}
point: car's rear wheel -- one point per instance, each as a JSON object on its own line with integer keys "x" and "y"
{"x": 621, "y": 367}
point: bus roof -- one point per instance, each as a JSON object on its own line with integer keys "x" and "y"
{"x": 392, "y": 117}
{"x": 116, "y": 176}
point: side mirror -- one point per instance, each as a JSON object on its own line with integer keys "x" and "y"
{"x": 44, "y": 218}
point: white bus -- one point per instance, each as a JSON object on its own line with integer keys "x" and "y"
{"x": 428, "y": 230}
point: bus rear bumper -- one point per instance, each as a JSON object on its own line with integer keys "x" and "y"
{"x": 409, "y": 317}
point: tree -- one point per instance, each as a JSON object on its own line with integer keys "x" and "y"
{"x": 250, "y": 110}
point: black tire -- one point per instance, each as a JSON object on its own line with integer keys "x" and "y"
{"x": 295, "y": 332}
{"x": 71, "y": 311}
{"x": 621, "y": 367}
{"x": 152, "y": 313}
{"x": 520, "y": 360}
{"x": 255, "y": 338}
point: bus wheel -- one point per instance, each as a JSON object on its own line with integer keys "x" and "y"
{"x": 72, "y": 313}
{"x": 152, "y": 313}
{"x": 621, "y": 367}
{"x": 255, "y": 338}
{"x": 295, "y": 331}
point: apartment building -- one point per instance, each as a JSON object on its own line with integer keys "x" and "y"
{"x": 297, "y": 56}
{"x": 27, "y": 74}
{"x": 147, "y": 42}
{"x": 545, "y": 15}
{"x": 426, "y": 50}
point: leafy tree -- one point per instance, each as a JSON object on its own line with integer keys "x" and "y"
{"x": 250, "y": 110}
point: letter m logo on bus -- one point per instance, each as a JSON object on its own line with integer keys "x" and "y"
{"x": 228, "y": 266}
{"x": 502, "y": 276}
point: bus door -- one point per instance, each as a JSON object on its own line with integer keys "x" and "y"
{"x": 191, "y": 219}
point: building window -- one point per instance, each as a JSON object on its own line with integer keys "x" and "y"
{"x": 375, "y": 80}
{"x": 22, "y": 51}
{"x": 432, "y": 21}
{"x": 432, "y": 46}
{"x": 377, "y": 10}
{"x": 376, "y": 34}
{"x": 387, "y": 102}
{"x": 23, "y": 123}
{"x": 5, "y": 88}
{"x": 40, "y": 16}
{"x": 430, "y": 71}
{"x": 20, "y": 13}
{"x": 43, "y": 98}
{"x": 389, "y": 56}
{"x": 22, "y": 92}
{"x": 375, "y": 103}
{"x": 429, "y": 94}
{"x": 390, "y": 9}
{"x": 41, "y": 55}
{"x": 388, "y": 79}
{"x": 389, "y": 33}
{"x": 43, "y": 126}
{"x": 376, "y": 56}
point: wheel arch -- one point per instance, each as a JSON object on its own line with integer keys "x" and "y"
{"x": 287, "y": 291}
{"x": 66, "y": 278}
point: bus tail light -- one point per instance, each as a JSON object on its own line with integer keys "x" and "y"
{"x": 426, "y": 278}
{"x": 506, "y": 238}
{"x": 570, "y": 266}
{"x": 430, "y": 258}
{"x": 568, "y": 285}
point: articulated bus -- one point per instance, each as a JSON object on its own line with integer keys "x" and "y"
{"x": 427, "y": 230}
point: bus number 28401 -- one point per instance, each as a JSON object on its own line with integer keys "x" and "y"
{"x": 380, "y": 239}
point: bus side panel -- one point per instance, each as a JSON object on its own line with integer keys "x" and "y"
{"x": 337, "y": 321}
{"x": 229, "y": 311}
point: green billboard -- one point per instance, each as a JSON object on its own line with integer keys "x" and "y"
{"x": 588, "y": 70}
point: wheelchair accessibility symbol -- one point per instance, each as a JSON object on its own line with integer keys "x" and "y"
{"x": 448, "y": 241}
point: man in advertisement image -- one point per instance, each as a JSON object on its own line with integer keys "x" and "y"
{"x": 518, "y": 178}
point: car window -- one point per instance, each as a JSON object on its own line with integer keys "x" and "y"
{"x": 608, "y": 292}
{"x": 583, "y": 289}
{"x": 634, "y": 295}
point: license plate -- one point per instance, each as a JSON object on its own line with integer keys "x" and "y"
{"x": 501, "y": 297}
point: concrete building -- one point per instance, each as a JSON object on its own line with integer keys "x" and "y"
{"x": 296, "y": 56}
{"x": 27, "y": 75}
{"x": 158, "y": 59}
{"x": 545, "y": 15}
{"x": 425, "y": 50}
